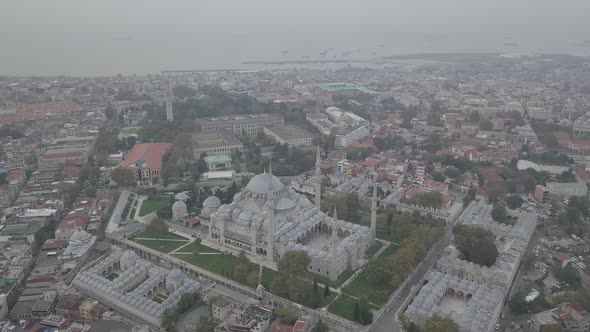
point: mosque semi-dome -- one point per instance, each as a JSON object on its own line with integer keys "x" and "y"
{"x": 212, "y": 202}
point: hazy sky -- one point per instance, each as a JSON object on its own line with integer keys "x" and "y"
{"x": 103, "y": 37}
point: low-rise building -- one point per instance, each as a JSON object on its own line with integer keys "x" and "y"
{"x": 91, "y": 311}
{"x": 566, "y": 317}
{"x": 541, "y": 193}
{"x": 221, "y": 307}
{"x": 244, "y": 124}
{"x": 255, "y": 318}
{"x": 582, "y": 125}
{"x": 290, "y": 135}
{"x": 220, "y": 142}
{"x": 347, "y": 136}
{"x": 218, "y": 163}
{"x": 145, "y": 160}
{"x": 431, "y": 185}
{"x": 566, "y": 190}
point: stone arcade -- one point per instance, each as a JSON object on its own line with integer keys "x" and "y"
{"x": 266, "y": 219}
{"x": 133, "y": 286}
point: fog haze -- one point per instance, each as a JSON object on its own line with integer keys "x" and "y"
{"x": 74, "y": 37}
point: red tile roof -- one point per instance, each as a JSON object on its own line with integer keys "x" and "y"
{"x": 435, "y": 185}
{"x": 491, "y": 176}
{"x": 16, "y": 173}
{"x": 52, "y": 244}
{"x": 150, "y": 153}
{"x": 448, "y": 198}
{"x": 413, "y": 192}
{"x": 370, "y": 163}
{"x": 582, "y": 174}
{"x": 282, "y": 328}
{"x": 561, "y": 256}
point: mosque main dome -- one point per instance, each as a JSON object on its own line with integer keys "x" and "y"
{"x": 259, "y": 184}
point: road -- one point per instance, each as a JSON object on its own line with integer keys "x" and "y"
{"x": 387, "y": 322}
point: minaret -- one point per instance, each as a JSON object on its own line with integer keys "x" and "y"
{"x": 318, "y": 178}
{"x": 169, "y": 111}
{"x": 271, "y": 212}
{"x": 334, "y": 245}
{"x": 374, "y": 211}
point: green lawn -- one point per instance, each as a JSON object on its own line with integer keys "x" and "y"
{"x": 374, "y": 248}
{"x": 164, "y": 246}
{"x": 334, "y": 284}
{"x": 159, "y": 298}
{"x": 343, "y": 306}
{"x": 212, "y": 263}
{"x": 382, "y": 235}
{"x": 361, "y": 286}
{"x": 149, "y": 235}
{"x": 128, "y": 130}
{"x": 389, "y": 251}
{"x": 151, "y": 205}
{"x": 219, "y": 263}
{"x": 112, "y": 276}
{"x": 202, "y": 248}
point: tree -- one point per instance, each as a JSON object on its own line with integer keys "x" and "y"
{"x": 433, "y": 199}
{"x": 288, "y": 314}
{"x": 294, "y": 263}
{"x": 438, "y": 176}
{"x": 471, "y": 193}
{"x": 514, "y": 201}
{"x": 475, "y": 244}
{"x": 567, "y": 274}
{"x": 437, "y": 323}
{"x": 123, "y": 177}
{"x": 241, "y": 268}
{"x": 292, "y": 281}
{"x": 320, "y": 327}
{"x": 186, "y": 302}
{"x": 433, "y": 119}
{"x": 326, "y": 290}
{"x": 486, "y": 125}
{"x": 72, "y": 189}
{"x": 169, "y": 318}
{"x": 517, "y": 304}
{"x": 474, "y": 116}
{"x": 184, "y": 145}
{"x": 452, "y": 172}
{"x": 499, "y": 213}
{"x": 365, "y": 316}
{"x": 158, "y": 227}
{"x": 183, "y": 91}
{"x": 206, "y": 324}
{"x": 197, "y": 245}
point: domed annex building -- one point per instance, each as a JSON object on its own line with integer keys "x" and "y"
{"x": 133, "y": 286}
{"x": 266, "y": 219}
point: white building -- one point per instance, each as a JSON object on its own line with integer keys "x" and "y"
{"x": 462, "y": 290}
{"x": 539, "y": 113}
{"x": 79, "y": 245}
{"x": 179, "y": 208}
{"x": 345, "y": 118}
{"x": 347, "y": 136}
{"x": 566, "y": 190}
{"x": 266, "y": 220}
{"x": 3, "y": 306}
{"x": 290, "y": 135}
{"x": 582, "y": 125}
{"x": 124, "y": 282}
